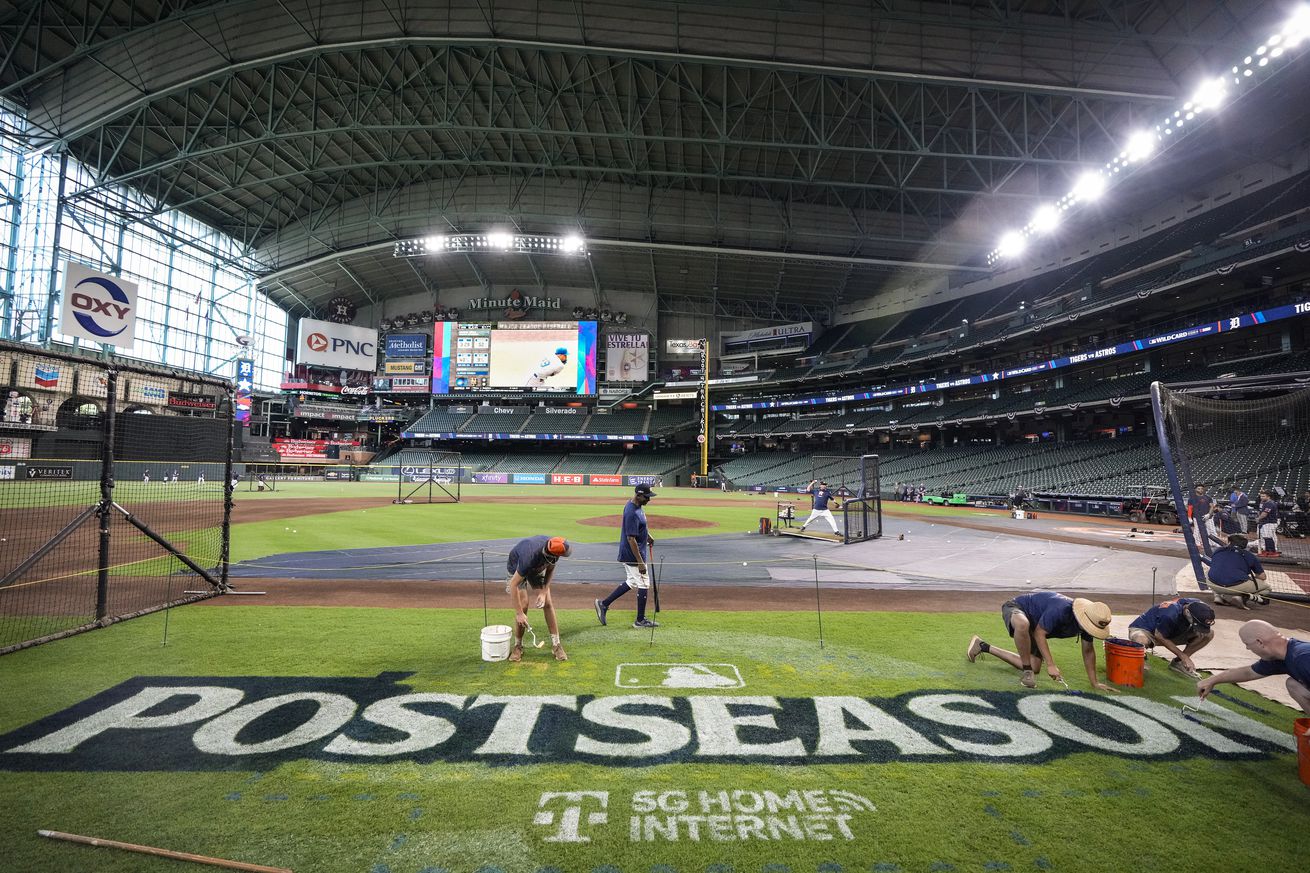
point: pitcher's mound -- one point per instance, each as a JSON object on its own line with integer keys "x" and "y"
{"x": 655, "y": 522}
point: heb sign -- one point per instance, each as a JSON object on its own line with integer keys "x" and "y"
{"x": 606, "y": 479}
{"x": 326, "y": 344}
{"x": 568, "y": 479}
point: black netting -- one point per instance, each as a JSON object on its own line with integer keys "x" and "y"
{"x": 105, "y": 451}
{"x": 1239, "y": 444}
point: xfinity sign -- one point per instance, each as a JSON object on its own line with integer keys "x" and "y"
{"x": 98, "y": 307}
{"x": 325, "y": 344}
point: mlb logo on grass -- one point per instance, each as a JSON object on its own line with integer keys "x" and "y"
{"x": 678, "y": 676}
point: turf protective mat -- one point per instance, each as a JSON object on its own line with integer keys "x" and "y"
{"x": 379, "y": 741}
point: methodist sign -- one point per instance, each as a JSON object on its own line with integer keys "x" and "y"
{"x": 325, "y": 344}
{"x": 98, "y": 307}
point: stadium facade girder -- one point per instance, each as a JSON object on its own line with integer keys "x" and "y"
{"x": 899, "y": 132}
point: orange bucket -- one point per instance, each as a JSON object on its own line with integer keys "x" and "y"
{"x": 1124, "y": 662}
{"x": 1301, "y": 730}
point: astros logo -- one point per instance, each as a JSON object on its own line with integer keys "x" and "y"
{"x": 114, "y": 311}
{"x": 316, "y": 342}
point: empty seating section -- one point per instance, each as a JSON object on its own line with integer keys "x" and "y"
{"x": 671, "y": 418}
{"x": 438, "y": 421}
{"x": 496, "y": 422}
{"x": 663, "y": 462}
{"x": 412, "y": 457}
{"x": 1052, "y": 296}
{"x": 479, "y": 461}
{"x": 552, "y": 423}
{"x": 625, "y": 421}
{"x": 1108, "y": 467}
{"x": 758, "y": 428}
{"x": 804, "y": 425}
{"x": 543, "y": 462}
{"x": 580, "y": 462}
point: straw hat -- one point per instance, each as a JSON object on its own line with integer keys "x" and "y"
{"x": 1093, "y": 617}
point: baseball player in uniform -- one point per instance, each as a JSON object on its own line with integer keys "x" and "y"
{"x": 821, "y": 498}
{"x": 531, "y": 564}
{"x": 547, "y": 367}
{"x": 1267, "y": 525}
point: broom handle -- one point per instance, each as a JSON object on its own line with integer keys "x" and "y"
{"x": 163, "y": 853}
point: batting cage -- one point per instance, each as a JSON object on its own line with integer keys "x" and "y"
{"x": 110, "y": 507}
{"x": 263, "y": 477}
{"x": 1246, "y": 443}
{"x": 430, "y": 477}
{"x": 843, "y": 473}
{"x": 862, "y": 512}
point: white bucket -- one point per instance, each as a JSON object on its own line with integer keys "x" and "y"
{"x": 1019, "y": 513}
{"x": 495, "y": 642}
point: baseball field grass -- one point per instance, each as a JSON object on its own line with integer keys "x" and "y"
{"x": 945, "y": 765}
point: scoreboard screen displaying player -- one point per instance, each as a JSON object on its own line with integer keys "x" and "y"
{"x": 540, "y": 357}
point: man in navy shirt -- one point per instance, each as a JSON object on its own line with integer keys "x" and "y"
{"x": 531, "y": 564}
{"x": 1237, "y": 575}
{"x": 1183, "y": 621}
{"x": 1201, "y": 506}
{"x": 1034, "y": 618}
{"x": 1239, "y": 507}
{"x": 821, "y": 497}
{"x": 633, "y": 544}
{"x": 1279, "y": 655}
{"x": 1267, "y": 525}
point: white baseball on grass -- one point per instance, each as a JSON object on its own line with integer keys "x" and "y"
{"x": 743, "y": 563}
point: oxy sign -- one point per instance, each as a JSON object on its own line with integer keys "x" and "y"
{"x": 98, "y": 307}
{"x": 325, "y": 344}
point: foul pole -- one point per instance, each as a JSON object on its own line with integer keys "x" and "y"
{"x": 704, "y": 438}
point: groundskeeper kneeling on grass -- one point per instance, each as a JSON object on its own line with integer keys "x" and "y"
{"x": 531, "y": 564}
{"x": 1278, "y": 655}
{"x": 1183, "y": 621}
{"x": 1034, "y": 618}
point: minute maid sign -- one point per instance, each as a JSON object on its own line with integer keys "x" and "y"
{"x": 241, "y": 723}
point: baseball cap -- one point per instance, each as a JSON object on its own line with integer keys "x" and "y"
{"x": 561, "y": 351}
{"x": 1093, "y": 617}
{"x": 558, "y": 547}
{"x": 643, "y": 488}
{"x": 1201, "y": 613}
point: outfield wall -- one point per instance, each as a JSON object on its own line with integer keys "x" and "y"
{"x": 419, "y": 474}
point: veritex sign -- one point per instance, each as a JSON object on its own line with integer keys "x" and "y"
{"x": 234, "y": 723}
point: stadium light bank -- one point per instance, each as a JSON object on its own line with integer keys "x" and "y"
{"x": 1142, "y": 144}
{"x": 492, "y": 241}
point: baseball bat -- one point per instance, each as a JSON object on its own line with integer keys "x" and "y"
{"x": 163, "y": 853}
{"x": 654, "y": 580}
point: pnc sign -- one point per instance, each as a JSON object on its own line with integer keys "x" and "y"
{"x": 325, "y": 344}
{"x": 98, "y": 307}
